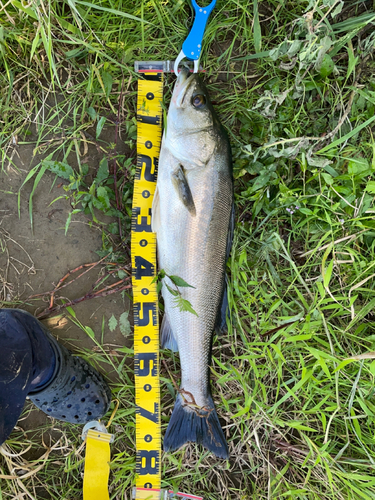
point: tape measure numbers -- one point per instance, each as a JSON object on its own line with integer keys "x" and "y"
{"x": 146, "y": 323}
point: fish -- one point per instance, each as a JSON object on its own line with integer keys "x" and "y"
{"x": 193, "y": 218}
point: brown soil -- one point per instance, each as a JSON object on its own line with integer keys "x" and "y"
{"x": 33, "y": 262}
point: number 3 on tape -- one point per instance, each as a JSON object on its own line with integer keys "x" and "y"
{"x": 146, "y": 324}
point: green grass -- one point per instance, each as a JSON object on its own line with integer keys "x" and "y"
{"x": 295, "y": 87}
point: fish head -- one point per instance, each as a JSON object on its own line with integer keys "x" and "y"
{"x": 192, "y": 124}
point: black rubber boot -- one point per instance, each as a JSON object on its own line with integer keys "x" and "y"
{"x": 76, "y": 392}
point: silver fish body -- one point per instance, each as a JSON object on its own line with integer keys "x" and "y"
{"x": 192, "y": 214}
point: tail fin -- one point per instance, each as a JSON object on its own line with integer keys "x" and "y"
{"x": 186, "y": 425}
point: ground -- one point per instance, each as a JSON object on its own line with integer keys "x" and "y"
{"x": 34, "y": 259}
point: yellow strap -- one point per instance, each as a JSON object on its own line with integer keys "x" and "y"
{"x": 95, "y": 481}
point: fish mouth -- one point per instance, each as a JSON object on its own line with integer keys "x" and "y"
{"x": 183, "y": 76}
{"x": 184, "y": 80}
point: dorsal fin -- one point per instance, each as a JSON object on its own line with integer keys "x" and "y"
{"x": 221, "y": 320}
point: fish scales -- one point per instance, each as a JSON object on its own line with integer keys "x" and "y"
{"x": 191, "y": 217}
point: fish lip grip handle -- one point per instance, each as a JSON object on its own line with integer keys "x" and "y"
{"x": 193, "y": 43}
{"x": 191, "y": 48}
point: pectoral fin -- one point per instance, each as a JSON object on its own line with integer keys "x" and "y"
{"x": 155, "y": 219}
{"x": 181, "y": 185}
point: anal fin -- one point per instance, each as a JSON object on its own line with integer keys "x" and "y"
{"x": 167, "y": 339}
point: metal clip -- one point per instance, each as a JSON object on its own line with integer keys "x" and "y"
{"x": 94, "y": 424}
{"x": 191, "y": 48}
{"x": 152, "y": 66}
{"x": 160, "y": 66}
{"x": 162, "y": 494}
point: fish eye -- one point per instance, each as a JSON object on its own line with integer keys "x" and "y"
{"x": 198, "y": 100}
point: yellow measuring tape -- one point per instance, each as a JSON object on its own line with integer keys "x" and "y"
{"x": 146, "y": 323}
{"x": 145, "y": 298}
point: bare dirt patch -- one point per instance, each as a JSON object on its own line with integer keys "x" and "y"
{"x": 32, "y": 262}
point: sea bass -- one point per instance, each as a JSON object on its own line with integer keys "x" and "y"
{"x": 192, "y": 216}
